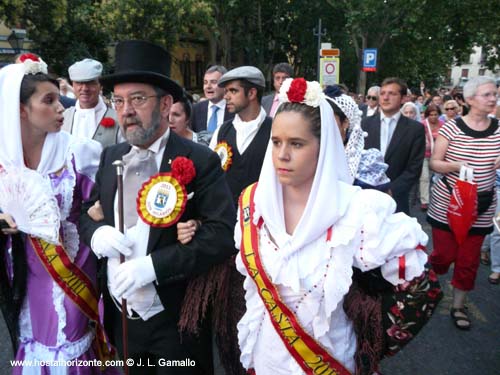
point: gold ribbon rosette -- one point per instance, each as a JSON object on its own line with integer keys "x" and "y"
{"x": 225, "y": 152}
{"x": 162, "y": 199}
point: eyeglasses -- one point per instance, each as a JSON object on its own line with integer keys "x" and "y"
{"x": 136, "y": 101}
{"x": 369, "y": 97}
{"x": 450, "y": 109}
{"x": 488, "y": 95}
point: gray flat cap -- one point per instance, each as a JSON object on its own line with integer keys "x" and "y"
{"x": 85, "y": 70}
{"x": 249, "y": 73}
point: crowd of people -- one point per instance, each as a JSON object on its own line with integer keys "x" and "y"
{"x": 231, "y": 231}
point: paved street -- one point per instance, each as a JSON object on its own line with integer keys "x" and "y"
{"x": 440, "y": 349}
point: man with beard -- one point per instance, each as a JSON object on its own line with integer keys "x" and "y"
{"x": 171, "y": 179}
{"x": 242, "y": 142}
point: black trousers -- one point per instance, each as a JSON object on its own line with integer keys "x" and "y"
{"x": 157, "y": 348}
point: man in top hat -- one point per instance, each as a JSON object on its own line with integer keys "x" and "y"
{"x": 90, "y": 117}
{"x": 166, "y": 178}
{"x": 247, "y": 135}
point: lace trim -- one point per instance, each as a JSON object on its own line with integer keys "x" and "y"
{"x": 58, "y": 301}
{"x": 67, "y": 351}
{"x": 25, "y": 328}
{"x": 71, "y": 239}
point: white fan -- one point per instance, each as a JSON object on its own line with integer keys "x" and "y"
{"x": 28, "y": 198}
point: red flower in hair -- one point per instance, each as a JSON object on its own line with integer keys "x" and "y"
{"x": 297, "y": 90}
{"x": 183, "y": 170}
{"x": 28, "y": 56}
{"x": 107, "y": 122}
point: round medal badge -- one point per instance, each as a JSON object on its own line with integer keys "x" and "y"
{"x": 225, "y": 152}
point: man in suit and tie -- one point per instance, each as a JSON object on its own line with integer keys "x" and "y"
{"x": 270, "y": 102}
{"x": 90, "y": 117}
{"x": 400, "y": 139}
{"x": 211, "y": 113}
{"x": 165, "y": 179}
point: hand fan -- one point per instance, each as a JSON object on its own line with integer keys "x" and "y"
{"x": 28, "y": 198}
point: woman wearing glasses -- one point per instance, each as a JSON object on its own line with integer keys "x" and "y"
{"x": 451, "y": 111}
{"x": 371, "y": 106}
{"x": 472, "y": 141}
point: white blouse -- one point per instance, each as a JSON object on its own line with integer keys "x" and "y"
{"x": 314, "y": 281}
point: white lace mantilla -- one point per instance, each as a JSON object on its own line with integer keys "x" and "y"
{"x": 314, "y": 281}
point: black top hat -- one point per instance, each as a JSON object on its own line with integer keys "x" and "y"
{"x": 144, "y": 62}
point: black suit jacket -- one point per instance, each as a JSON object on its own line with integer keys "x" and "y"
{"x": 200, "y": 114}
{"x": 404, "y": 155}
{"x": 173, "y": 262}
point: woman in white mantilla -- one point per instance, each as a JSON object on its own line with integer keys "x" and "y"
{"x": 313, "y": 226}
{"x": 49, "y": 290}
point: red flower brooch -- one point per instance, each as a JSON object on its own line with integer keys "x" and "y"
{"x": 183, "y": 170}
{"x": 108, "y": 122}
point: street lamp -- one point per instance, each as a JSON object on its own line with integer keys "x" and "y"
{"x": 16, "y": 39}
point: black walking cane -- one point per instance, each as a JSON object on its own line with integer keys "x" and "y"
{"x": 119, "y": 179}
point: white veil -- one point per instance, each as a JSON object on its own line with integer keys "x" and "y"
{"x": 56, "y": 146}
{"x": 330, "y": 195}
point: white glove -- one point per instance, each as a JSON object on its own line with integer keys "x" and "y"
{"x": 132, "y": 275}
{"x": 110, "y": 242}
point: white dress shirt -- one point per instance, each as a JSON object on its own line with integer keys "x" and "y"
{"x": 86, "y": 121}
{"x": 387, "y": 127}
{"x": 245, "y": 131}
{"x": 145, "y": 301}
{"x": 220, "y": 113}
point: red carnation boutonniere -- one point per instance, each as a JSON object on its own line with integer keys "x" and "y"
{"x": 183, "y": 170}
{"x": 107, "y": 122}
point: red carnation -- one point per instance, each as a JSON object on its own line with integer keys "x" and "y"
{"x": 107, "y": 122}
{"x": 297, "y": 90}
{"x": 28, "y": 56}
{"x": 183, "y": 170}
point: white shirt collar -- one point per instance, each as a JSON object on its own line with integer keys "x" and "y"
{"x": 396, "y": 116}
{"x": 221, "y": 104}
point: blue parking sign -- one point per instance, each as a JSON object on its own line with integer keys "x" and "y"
{"x": 370, "y": 60}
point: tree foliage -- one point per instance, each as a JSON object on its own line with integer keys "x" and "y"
{"x": 417, "y": 39}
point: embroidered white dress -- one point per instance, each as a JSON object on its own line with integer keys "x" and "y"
{"x": 314, "y": 280}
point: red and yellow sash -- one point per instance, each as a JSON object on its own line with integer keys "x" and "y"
{"x": 311, "y": 357}
{"x": 77, "y": 287}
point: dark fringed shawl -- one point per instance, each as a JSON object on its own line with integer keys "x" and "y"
{"x": 12, "y": 289}
{"x": 365, "y": 312}
{"x": 220, "y": 294}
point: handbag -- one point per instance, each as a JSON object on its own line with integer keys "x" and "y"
{"x": 462, "y": 209}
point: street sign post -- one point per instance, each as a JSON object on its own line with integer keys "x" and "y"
{"x": 330, "y": 71}
{"x": 370, "y": 60}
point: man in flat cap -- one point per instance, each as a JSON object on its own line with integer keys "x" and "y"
{"x": 241, "y": 144}
{"x": 244, "y": 139}
{"x": 166, "y": 178}
{"x": 90, "y": 117}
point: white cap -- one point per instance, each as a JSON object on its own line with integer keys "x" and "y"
{"x": 85, "y": 70}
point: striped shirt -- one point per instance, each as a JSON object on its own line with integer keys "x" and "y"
{"x": 478, "y": 149}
